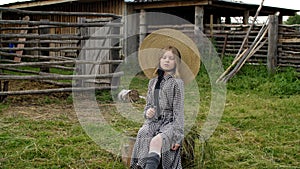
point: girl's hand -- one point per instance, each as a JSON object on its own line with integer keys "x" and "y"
{"x": 175, "y": 147}
{"x": 150, "y": 113}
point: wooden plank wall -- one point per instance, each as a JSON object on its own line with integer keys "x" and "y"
{"x": 289, "y": 46}
{"x": 228, "y": 39}
{"x": 60, "y": 68}
{"x": 110, "y": 6}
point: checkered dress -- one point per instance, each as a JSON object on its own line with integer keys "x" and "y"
{"x": 169, "y": 123}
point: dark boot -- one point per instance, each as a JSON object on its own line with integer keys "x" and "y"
{"x": 153, "y": 160}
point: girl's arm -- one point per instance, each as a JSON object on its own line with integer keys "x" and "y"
{"x": 178, "y": 110}
{"x": 149, "y": 97}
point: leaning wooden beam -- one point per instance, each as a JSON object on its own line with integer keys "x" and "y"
{"x": 61, "y": 63}
{"x": 61, "y": 77}
{"x": 220, "y": 79}
{"x": 59, "y": 13}
{"x": 251, "y": 26}
{"x": 242, "y": 58}
{"x": 246, "y": 56}
{"x": 65, "y": 24}
{"x": 58, "y": 90}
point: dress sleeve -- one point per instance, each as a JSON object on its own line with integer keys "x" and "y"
{"x": 149, "y": 98}
{"x": 178, "y": 110}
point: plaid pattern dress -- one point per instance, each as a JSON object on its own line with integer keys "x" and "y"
{"x": 169, "y": 123}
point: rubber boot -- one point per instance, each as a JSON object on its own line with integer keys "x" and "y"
{"x": 153, "y": 160}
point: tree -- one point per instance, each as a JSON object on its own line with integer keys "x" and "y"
{"x": 293, "y": 20}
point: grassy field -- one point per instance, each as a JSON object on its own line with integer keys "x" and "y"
{"x": 259, "y": 127}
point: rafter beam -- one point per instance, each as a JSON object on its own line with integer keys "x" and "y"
{"x": 39, "y": 3}
{"x": 154, "y": 5}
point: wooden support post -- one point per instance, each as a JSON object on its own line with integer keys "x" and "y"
{"x": 246, "y": 17}
{"x": 132, "y": 32}
{"x": 143, "y": 26}
{"x": 3, "y": 89}
{"x": 280, "y": 19}
{"x": 211, "y": 26}
{"x": 0, "y": 38}
{"x": 82, "y": 54}
{"x": 115, "y": 53}
{"x": 21, "y": 45}
{"x": 227, "y": 20}
{"x": 272, "y": 47}
{"x": 246, "y": 22}
{"x": 44, "y": 53}
{"x": 199, "y": 18}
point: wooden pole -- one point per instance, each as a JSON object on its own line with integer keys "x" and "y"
{"x": 82, "y": 69}
{"x": 58, "y": 36}
{"x": 199, "y": 16}
{"x": 0, "y": 38}
{"x": 249, "y": 30}
{"x": 246, "y": 17}
{"x": 3, "y": 89}
{"x": 143, "y": 26}
{"x": 61, "y": 24}
{"x": 2, "y": 9}
{"x": 246, "y": 29}
{"x": 211, "y": 26}
{"x": 58, "y": 90}
{"x": 44, "y": 45}
{"x": 105, "y": 62}
{"x": 60, "y": 77}
{"x": 21, "y": 45}
{"x": 272, "y": 47}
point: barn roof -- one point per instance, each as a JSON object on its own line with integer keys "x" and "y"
{"x": 231, "y": 8}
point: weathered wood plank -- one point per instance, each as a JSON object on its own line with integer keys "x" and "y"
{"x": 169, "y": 4}
{"x": 60, "y": 77}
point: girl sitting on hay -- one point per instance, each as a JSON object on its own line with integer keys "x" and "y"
{"x": 170, "y": 59}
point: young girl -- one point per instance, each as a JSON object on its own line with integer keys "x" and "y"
{"x": 160, "y": 137}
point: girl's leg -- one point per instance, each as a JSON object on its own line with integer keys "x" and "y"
{"x": 154, "y": 152}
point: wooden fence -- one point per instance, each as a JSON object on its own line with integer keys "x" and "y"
{"x": 228, "y": 38}
{"x": 289, "y": 46}
{"x": 33, "y": 51}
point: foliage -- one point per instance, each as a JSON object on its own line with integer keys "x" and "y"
{"x": 293, "y": 20}
{"x": 259, "y": 127}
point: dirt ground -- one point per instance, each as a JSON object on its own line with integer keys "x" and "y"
{"x": 37, "y": 106}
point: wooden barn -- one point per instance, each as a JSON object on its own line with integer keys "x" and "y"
{"x": 57, "y": 30}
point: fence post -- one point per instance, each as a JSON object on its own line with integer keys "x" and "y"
{"x": 42, "y": 31}
{"x": 82, "y": 54}
{"x": 143, "y": 26}
{"x": 273, "y": 44}
{"x": 199, "y": 15}
{"x": 1, "y": 40}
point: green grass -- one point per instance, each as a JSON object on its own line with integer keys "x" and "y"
{"x": 58, "y": 142}
{"x": 259, "y": 127}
